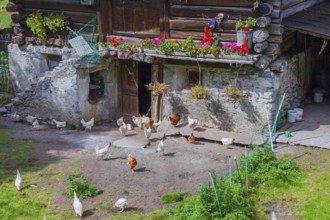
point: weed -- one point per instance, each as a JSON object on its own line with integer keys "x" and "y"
{"x": 125, "y": 192}
{"x": 173, "y": 196}
{"x": 101, "y": 205}
{"x": 197, "y": 92}
{"x": 4, "y": 100}
{"x": 79, "y": 184}
{"x": 70, "y": 127}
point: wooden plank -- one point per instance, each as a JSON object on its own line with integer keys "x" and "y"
{"x": 222, "y": 3}
{"x": 290, "y": 3}
{"x": 209, "y": 12}
{"x": 200, "y": 24}
{"x": 200, "y": 35}
{"x": 164, "y": 20}
{"x": 299, "y": 7}
{"x": 275, "y": 3}
{"x": 59, "y": 6}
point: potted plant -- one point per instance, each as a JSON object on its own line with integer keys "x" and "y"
{"x": 87, "y": 2}
{"x": 243, "y": 31}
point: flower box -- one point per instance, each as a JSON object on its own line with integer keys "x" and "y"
{"x": 87, "y": 2}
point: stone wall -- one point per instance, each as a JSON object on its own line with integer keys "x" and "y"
{"x": 61, "y": 93}
{"x": 261, "y": 91}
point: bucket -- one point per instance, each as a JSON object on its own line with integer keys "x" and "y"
{"x": 292, "y": 116}
{"x": 318, "y": 95}
{"x": 300, "y": 114}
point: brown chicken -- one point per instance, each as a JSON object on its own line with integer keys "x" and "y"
{"x": 175, "y": 119}
{"x": 191, "y": 139}
{"x": 131, "y": 162}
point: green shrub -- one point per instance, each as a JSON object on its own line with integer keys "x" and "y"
{"x": 79, "y": 184}
{"x": 70, "y": 127}
{"x": 173, "y": 196}
{"x": 197, "y": 92}
{"x": 4, "y": 100}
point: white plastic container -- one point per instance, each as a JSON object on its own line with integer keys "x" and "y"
{"x": 300, "y": 114}
{"x": 318, "y": 95}
{"x": 292, "y": 116}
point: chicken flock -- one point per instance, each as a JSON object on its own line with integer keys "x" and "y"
{"x": 144, "y": 123}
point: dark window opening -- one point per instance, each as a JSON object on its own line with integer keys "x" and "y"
{"x": 194, "y": 78}
{"x": 53, "y": 61}
{"x": 144, "y": 74}
{"x": 96, "y": 88}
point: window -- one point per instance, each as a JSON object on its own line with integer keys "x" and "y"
{"x": 194, "y": 77}
{"x": 96, "y": 88}
{"x": 53, "y": 61}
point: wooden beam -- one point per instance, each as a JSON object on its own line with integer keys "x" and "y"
{"x": 223, "y": 3}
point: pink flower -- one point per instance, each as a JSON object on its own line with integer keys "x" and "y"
{"x": 126, "y": 56}
{"x": 129, "y": 49}
{"x": 156, "y": 41}
{"x": 115, "y": 51}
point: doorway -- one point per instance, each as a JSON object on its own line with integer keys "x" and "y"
{"x": 134, "y": 97}
{"x": 144, "y": 70}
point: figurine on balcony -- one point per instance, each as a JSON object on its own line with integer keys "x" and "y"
{"x": 216, "y": 20}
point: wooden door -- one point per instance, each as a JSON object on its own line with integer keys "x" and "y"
{"x": 128, "y": 96}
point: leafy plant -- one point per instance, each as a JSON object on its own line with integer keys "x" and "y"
{"x": 248, "y": 22}
{"x": 36, "y": 23}
{"x": 239, "y": 24}
{"x": 147, "y": 43}
{"x": 251, "y": 21}
{"x": 79, "y": 184}
{"x": 157, "y": 88}
{"x": 166, "y": 47}
{"x": 112, "y": 42}
{"x": 197, "y": 92}
{"x": 40, "y": 25}
{"x": 173, "y": 196}
{"x": 128, "y": 46}
{"x": 234, "y": 93}
{"x": 55, "y": 22}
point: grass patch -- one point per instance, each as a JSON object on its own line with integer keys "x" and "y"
{"x": 4, "y": 100}
{"x": 70, "y": 127}
{"x": 125, "y": 192}
{"x": 82, "y": 187}
{"x": 166, "y": 214}
{"x": 173, "y": 196}
{"x": 101, "y": 205}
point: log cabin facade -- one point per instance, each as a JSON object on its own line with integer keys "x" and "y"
{"x": 274, "y": 68}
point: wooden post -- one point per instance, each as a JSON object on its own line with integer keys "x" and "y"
{"x": 155, "y": 99}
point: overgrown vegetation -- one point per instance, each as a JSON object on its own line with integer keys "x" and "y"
{"x": 236, "y": 196}
{"x": 157, "y": 88}
{"x": 233, "y": 93}
{"x": 4, "y": 100}
{"x": 173, "y": 196}
{"x": 82, "y": 187}
{"x": 197, "y": 92}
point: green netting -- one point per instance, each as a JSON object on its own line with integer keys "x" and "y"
{"x": 84, "y": 42}
{"x": 4, "y": 71}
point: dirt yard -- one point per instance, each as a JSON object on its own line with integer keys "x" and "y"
{"x": 183, "y": 167}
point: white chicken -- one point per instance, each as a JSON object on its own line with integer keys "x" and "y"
{"x": 227, "y": 141}
{"x": 30, "y": 119}
{"x": 156, "y": 125}
{"x": 87, "y": 125}
{"x": 16, "y": 117}
{"x": 145, "y": 120}
{"x": 59, "y": 124}
{"x": 160, "y": 147}
{"x": 36, "y": 124}
{"x": 120, "y": 121}
{"x": 123, "y": 129}
{"x": 45, "y": 218}
{"x": 137, "y": 121}
{"x": 121, "y": 203}
{"x": 77, "y": 206}
{"x": 103, "y": 151}
{"x": 192, "y": 123}
{"x": 18, "y": 181}
{"x": 274, "y": 216}
{"x": 130, "y": 127}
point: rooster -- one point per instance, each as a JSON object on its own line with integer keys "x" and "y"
{"x": 77, "y": 206}
{"x": 59, "y": 124}
{"x": 16, "y": 117}
{"x": 191, "y": 139}
{"x": 36, "y": 124}
{"x": 192, "y": 123}
{"x": 175, "y": 119}
{"x": 160, "y": 147}
{"x": 88, "y": 125}
{"x": 18, "y": 181}
{"x": 30, "y": 119}
{"x": 121, "y": 203}
{"x": 156, "y": 125}
{"x": 227, "y": 141}
{"x": 146, "y": 121}
{"x": 131, "y": 162}
{"x": 120, "y": 121}
{"x": 102, "y": 152}
{"x": 123, "y": 129}
{"x": 130, "y": 127}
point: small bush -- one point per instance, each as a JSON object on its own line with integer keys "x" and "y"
{"x": 197, "y": 92}
{"x": 79, "y": 184}
{"x": 233, "y": 93}
{"x": 70, "y": 127}
{"x": 157, "y": 88}
{"x": 174, "y": 196}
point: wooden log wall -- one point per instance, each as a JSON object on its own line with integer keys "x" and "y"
{"x": 190, "y": 18}
{"x": 77, "y": 15}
